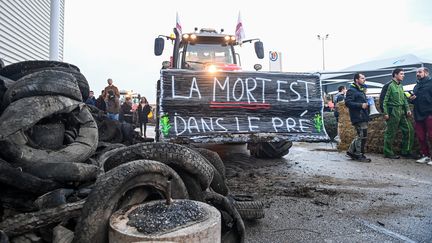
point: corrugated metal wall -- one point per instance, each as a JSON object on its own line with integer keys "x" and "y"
{"x": 25, "y": 30}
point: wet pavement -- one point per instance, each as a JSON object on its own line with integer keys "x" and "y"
{"x": 316, "y": 194}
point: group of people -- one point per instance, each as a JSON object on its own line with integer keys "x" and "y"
{"x": 396, "y": 110}
{"x": 109, "y": 102}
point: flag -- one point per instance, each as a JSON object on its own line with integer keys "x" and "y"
{"x": 239, "y": 32}
{"x": 178, "y": 25}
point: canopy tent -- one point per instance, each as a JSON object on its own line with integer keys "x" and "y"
{"x": 377, "y": 72}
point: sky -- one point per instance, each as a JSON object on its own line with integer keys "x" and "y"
{"x": 115, "y": 39}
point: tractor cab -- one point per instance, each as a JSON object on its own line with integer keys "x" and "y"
{"x": 205, "y": 50}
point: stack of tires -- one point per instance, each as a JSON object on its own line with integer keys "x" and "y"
{"x": 64, "y": 171}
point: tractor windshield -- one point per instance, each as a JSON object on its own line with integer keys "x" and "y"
{"x": 198, "y": 56}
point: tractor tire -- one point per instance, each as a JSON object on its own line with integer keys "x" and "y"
{"x": 174, "y": 155}
{"x": 269, "y": 150}
{"x": 110, "y": 189}
{"x": 48, "y": 82}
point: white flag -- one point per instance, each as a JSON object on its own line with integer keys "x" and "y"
{"x": 239, "y": 32}
{"x": 178, "y": 25}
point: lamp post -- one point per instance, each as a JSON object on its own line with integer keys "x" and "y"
{"x": 322, "y": 39}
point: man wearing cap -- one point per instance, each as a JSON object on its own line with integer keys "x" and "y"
{"x": 396, "y": 113}
{"x": 357, "y": 104}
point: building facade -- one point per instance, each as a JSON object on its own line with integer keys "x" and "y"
{"x": 25, "y": 30}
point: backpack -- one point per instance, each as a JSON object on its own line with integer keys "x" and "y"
{"x": 382, "y": 95}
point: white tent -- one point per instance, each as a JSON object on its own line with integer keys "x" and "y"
{"x": 377, "y": 72}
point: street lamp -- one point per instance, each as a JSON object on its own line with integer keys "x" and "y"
{"x": 322, "y": 39}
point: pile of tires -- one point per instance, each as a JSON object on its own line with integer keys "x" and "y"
{"x": 65, "y": 168}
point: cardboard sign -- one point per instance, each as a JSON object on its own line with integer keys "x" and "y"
{"x": 199, "y": 106}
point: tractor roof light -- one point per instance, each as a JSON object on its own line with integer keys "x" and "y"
{"x": 233, "y": 38}
{"x": 193, "y": 36}
{"x": 186, "y": 36}
{"x": 227, "y": 37}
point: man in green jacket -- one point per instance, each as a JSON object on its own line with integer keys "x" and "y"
{"x": 396, "y": 111}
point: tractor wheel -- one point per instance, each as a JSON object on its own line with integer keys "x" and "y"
{"x": 269, "y": 150}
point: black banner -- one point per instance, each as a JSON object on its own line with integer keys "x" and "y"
{"x": 200, "y": 106}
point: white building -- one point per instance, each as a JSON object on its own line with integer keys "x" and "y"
{"x": 25, "y": 30}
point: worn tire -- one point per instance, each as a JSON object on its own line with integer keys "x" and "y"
{"x": 233, "y": 229}
{"x": 18, "y": 70}
{"x": 47, "y": 82}
{"x": 250, "y": 210}
{"x": 269, "y": 150}
{"x": 5, "y": 83}
{"x": 24, "y": 113}
{"x": 16, "y": 149}
{"x": 214, "y": 159}
{"x": 108, "y": 190}
{"x": 174, "y": 155}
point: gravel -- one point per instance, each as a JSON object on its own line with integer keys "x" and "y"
{"x": 159, "y": 217}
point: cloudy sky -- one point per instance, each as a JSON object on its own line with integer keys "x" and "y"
{"x": 115, "y": 39}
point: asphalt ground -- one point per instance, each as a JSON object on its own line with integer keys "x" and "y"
{"x": 317, "y": 194}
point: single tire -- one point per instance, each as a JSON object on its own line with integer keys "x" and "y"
{"x": 233, "y": 229}
{"x": 214, "y": 159}
{"x": 16, "y": 149}
{"x": 60, "y": 171}
{"x": 250, "y": 210}
{"x": 23, "y": 181}
{"x": 269, "y": 150}
{"x": 24, "y": 113}
{"x": 109, "y": 189}
{"x": 48, "y": 82}
{"x": 174, "y": 155}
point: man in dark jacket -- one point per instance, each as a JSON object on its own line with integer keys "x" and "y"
{"x": 357, "y": 104}
{"x": 422, "y": 100}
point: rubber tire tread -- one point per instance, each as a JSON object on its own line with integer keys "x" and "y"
{"x": 250, "y": 210}
{"x": 222, "y": 203}
{"x": 174, "y": 155}
{"x": 47, "y": 82}
{"x": 269, "y": 150}
{"x": 93, "y": 225}
{"x": 214, "y": 159}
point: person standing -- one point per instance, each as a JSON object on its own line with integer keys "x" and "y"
{"x": 91, "y": 100}
{"x": 126, "y": 111}
{"x": 143, "y": 111}
{"x": 100, "y": 101}
{"x": 113, "y": 106}
{"x": 422, "y": 100}
{"x": 356, "y": 102}
{"x": 111, "y": 87}
{"x": 340, "y": 96}
{"x": 396, "y": 113}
